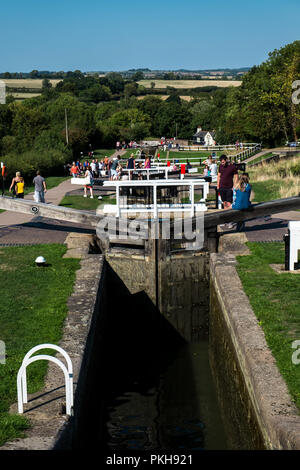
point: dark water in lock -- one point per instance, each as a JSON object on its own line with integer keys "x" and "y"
{"x": 159, "y": 393}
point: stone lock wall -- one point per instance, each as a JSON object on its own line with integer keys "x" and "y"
{"x": 184, "y": 293}
{"x": 257, "y": 408}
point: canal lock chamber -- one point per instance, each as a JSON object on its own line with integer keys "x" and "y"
{"x": 164, "y": 376}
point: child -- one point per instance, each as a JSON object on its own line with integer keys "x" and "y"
{"x": 88, "y": 174}
{"x": 241, "y": 193}
{"x": 205, "y": 171}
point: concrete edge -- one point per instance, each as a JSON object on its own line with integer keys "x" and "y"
{"x": 47, "y": 417}
{"x": 275, "y": 411}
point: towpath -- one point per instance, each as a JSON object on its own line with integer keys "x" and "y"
{"x": 265, "y": 152}
{"x": 17, "y": 228}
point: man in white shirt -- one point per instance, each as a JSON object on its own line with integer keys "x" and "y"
{"x": 213, "y": 171}
{"x": 93, "y": 168}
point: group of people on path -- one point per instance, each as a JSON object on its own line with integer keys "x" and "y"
{"x": 124, "y": 145}
{"x": 234, "y": 189}
{"x": 40, "y": 188}
{"x": 79, "y": 168}
{"x": 117, "y": 171}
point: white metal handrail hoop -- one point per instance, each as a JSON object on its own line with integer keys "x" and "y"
{"x": 68, "y": 372}
{"x": 38, "y": 348}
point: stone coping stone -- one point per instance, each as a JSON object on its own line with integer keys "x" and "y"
{"x": 280, "y": 269}
{"x": 276, "y": 413}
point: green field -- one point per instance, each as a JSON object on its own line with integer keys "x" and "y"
{"x": 100, "y": 154}
{"x": 266, "y": 190}
{"x": 32, "y": 312}
{"x": 275, "y": 299}
{"x": 85, "y": 203}
{"x": 259, "y": 159}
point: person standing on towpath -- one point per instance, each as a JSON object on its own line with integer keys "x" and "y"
{"x": 227, "y": 177}
{"x": 40, "y": 188}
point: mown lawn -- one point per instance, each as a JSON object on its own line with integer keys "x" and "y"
{"x": 275, "y": 299}
{"x": 266, "y": 190}
{"x": 259, "y": 159}
{"x": 85, "y": 203}
{"x": 100, "y": 154}
{"x": 32, "y": 311}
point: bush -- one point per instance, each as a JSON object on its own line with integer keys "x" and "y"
{"x": 50, "y": 163}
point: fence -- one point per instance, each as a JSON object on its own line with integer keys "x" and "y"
{"x": 249, "y": 149}
{"x": 248, "y": 152}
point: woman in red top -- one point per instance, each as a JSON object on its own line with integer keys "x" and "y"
{"x": 74, "y": 170}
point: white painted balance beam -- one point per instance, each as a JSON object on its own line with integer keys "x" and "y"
{"x": 148, "y": 171}
{"x": 156, "y": 208}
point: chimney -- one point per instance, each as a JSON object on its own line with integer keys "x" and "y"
{"x": 199, "y": 128}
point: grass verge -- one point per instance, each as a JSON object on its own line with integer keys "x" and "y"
{"x": 276, "y": 180}
{"x": 32, "y": 311}
{"x": 266, "y": 190}
{"x": 259, "y": 159}
{"x": 100, "y": 154}
{"x": 275, "y": 299}
{"x": 85, "y": 203}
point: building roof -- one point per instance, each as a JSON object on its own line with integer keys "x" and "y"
{"x": 203, "y": 134}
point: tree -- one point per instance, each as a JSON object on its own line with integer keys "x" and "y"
{"x": 34, "y": 74}
{"x": 27, "y": 123}
{"x": 46, "y": 84}
{"x": 115, "y": 82}
{"x": 137, "y": 76}
{"x": 130, "y": 89}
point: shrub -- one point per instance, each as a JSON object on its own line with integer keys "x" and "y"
{"x": 50, "y": 163}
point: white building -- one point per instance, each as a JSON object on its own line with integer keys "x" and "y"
{"x": 203, "y": 137}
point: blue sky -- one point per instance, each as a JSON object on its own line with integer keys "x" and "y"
{"x": 118, "y": 35}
